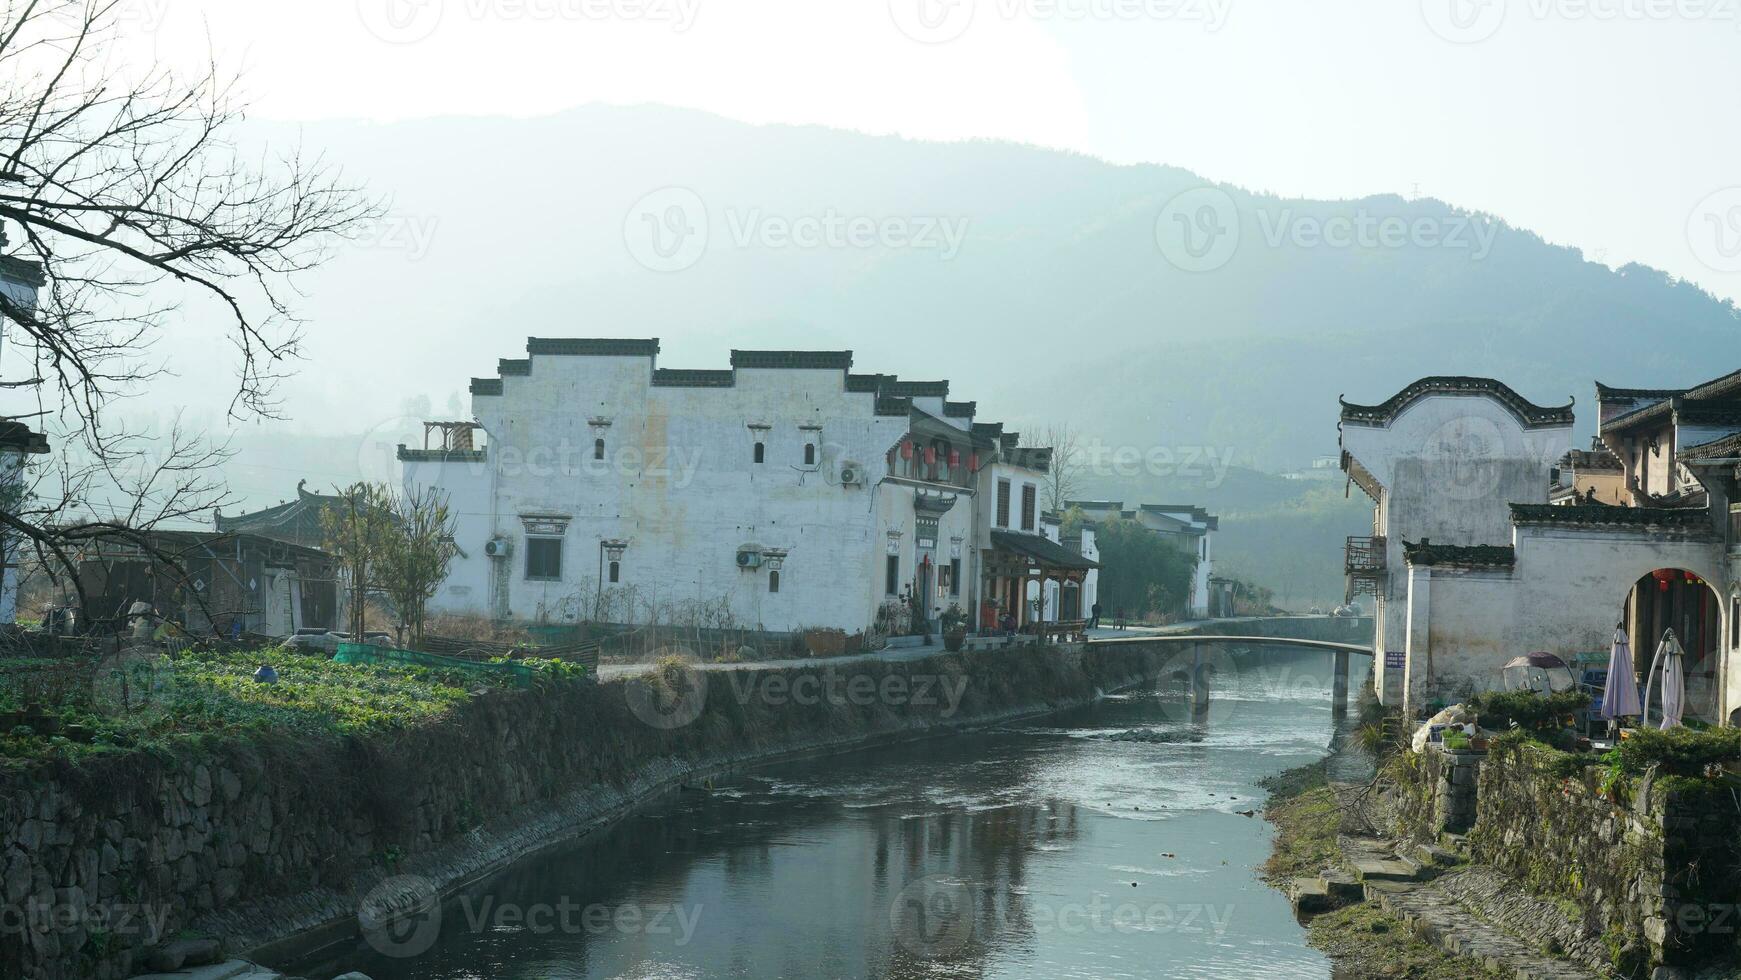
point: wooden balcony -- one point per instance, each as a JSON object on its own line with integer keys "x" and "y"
{"x": 1363, "y": 561}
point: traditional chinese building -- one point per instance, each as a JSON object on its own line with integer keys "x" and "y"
{"x": 1471, "y": 565}
{"x": 786, "y": 491}
{"x": 1187, "y": 527}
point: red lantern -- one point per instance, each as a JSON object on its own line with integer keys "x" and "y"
{"x": 1663, "y": 577}
{"x": 954, "y": 457}
{"x": 973, "y": 462}
{"x": 906, "y": 449}
{"x": 930, "y": 455}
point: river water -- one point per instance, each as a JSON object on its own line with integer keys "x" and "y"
{"x": 1109, "y": 842}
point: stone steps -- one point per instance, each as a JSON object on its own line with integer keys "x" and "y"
{"x": 1380, "y": 869}
{"x": 1342, "y": 885}
{"x": 1309, "y": 897}
{"x": 1438, "y": 918}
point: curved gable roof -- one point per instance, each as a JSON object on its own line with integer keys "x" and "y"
{"x": 1528, "y": 413}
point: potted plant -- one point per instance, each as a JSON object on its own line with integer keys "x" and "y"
{"x": 954, "y": 629}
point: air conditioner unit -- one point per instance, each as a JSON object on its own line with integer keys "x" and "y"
{"x": 749, "y": 559}
{"x": 851, "y": 474}
{"x": 498, "y": 547}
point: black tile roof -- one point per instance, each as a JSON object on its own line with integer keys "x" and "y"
{"x": 521, "y": 368}
{"x": 1425, "y": 553}
{"x": 917, "y": 389}
{"x": 1042, "y": 550}
{"x": 17, "y": 437}
{"x": 1728, "y": 447}
{"x": 1598, "y": 515}
{"x": 688, "y": 378}
{"x": 1672, "y": 400}
{"x": 1532, "y": 416}
{"x": 809, "y": 359}
{"x": 22, "y": 270}
{"x": 960, "y": 410}
{"x": 1591, "y": 461}
{"x": 892, "y": 405}
{"x": 442, "y": 455}
{"x": 867, "y": 383}
{"x": 486, "y": 386}
{"x": 1706, "y": 411}
{"x": 593, "y": 346}
{"x": 1609, "y": 393}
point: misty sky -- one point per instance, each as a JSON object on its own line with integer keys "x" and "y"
{"x": 1602, "y": 124}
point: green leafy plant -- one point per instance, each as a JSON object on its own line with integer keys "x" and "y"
{"x": 1502, "y": 710}
{"x": 1678, "y": 751}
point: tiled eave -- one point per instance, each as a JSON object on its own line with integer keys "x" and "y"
{"x": 592, "y": 346}
{"x": 1425, "y": 554}
{"x": 1528, "y": 413}
{"x": 1717, "y": 450}
{"x": 408, "y": 455}
{"x": 1598, "y": 516}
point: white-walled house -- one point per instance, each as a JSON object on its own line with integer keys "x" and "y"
{"x": 785, "y": 492}
{"x": 1471, "y": 565}
{"x": 1187, "y": 527}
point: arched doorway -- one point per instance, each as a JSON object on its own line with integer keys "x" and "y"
{"x": 1674, "y": 598}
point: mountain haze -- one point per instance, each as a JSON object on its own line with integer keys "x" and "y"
{"x": 1056, "y": 302}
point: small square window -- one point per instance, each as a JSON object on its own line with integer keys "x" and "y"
{"x": 760, "y": 452}
{"x": 810, "y": 454}
{"x": 616, "y": 571}
{"x": 773, "y": 581}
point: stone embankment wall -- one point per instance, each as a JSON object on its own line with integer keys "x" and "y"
{"x": 257, "y": 841}
{"x": 1440, "y": 794}
{"x": 1652, "y": 863}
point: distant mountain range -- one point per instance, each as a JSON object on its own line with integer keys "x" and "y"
{"x": 1151, "y": 308}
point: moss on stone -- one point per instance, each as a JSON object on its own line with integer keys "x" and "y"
{"x": 1364, "y": 942}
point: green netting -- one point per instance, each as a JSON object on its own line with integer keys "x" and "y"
{"x": 368, "y": 653}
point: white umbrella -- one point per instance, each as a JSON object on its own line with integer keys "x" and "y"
{"x": 1620, "y": 695}
{"x": 1674, "y": 686}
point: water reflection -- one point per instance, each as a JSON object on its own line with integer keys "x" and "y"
{"x": 1108, "y": 843}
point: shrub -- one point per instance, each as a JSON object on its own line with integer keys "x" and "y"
{"x": 1500, "y": 710}
{"x": 1679, "y": 751}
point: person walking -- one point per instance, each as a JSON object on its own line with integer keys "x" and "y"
{"x": 1094, "y": 616}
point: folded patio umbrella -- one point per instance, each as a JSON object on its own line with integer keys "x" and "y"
{"x": 1674, "y": 689}
{"x": 1620, "y": 695}
{"x": 1674, "y": 685}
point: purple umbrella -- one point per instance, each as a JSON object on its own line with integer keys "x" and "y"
{"x": 1620, "y": 696}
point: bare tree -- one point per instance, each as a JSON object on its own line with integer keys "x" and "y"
{"x": 127, "y": 193}
{"x": 420, "y": 546}
{"x": 359, "y": 532}
{"x": 1063, "y": 477}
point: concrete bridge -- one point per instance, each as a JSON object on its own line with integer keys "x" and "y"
{"x": 1200, "y": 641}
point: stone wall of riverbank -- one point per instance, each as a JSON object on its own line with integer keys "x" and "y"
{"x": 1439, "y": 795}
{"x": 257, "y": 841}
{"x": 1650, "y": 862}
